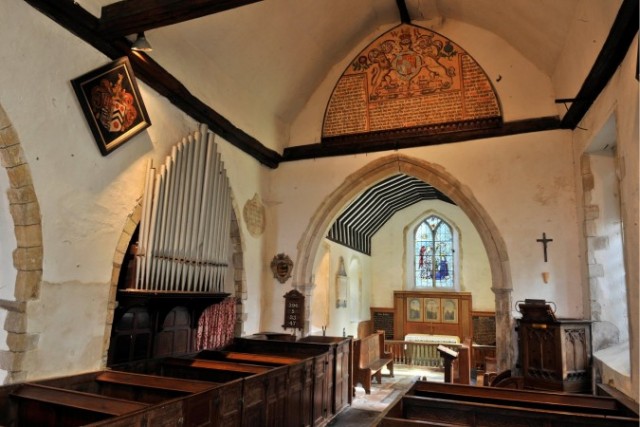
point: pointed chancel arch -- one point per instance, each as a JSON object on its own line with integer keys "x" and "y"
{"x": 435, "y": 175}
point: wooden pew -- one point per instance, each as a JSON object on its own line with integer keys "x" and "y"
{"x": 403, "y": 422}
{"x": 341, "y": 372}
{"x": 216, "y": 365}
{"x": 257, "y": 359}
{"x": 40, "y": 405}
{"x": 264, "y": 387}
{"x": 157, "y": 401}
{"x": 471, "y": 406}
{"x": 283, "y": 386}
{"x": 562, "y": 401}
{"x": 369, "y": 358}
{"x": 136, "y": 387}
{"x": 194, "y": 398}
{"x": 225, "y": 401}
{"x": 241, "y": 389}
{"x": 262, "y": 398}
{"x": 153, "y": 382}
{"x": 318, "y": 399}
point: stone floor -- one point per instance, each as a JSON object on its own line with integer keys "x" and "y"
{"x": 368, "y": 409}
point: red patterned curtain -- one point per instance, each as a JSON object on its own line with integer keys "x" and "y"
{"x": 216, "y": 325}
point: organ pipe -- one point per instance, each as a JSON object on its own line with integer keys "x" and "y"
{"x": 186, "y": 218}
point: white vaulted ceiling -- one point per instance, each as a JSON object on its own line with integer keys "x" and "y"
{"x": 266, "y": 59}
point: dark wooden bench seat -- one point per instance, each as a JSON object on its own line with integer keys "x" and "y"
{"x": 218, "y": 365}
{"x": 44, "y": 406}
{"x": 402, "y": 422}
{"x": 258, "y": 359}
{"x": 369, "y": 357}
{"x": 79, "y": 400}
{"x": 530, "y": 398}
{"x": 153, "y": 381}
{"x": 471, "y": 406}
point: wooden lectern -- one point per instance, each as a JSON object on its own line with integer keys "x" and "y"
{"x": 449, "y": 356}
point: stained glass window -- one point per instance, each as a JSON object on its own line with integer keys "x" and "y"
{"x": 434, "y": 254}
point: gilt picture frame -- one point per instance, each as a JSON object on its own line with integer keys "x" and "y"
{"x": 112, "y": 104}
{"x": 414, "y": 310}
{"x": 449, "y": 310}
{"x": 432, "y": 309}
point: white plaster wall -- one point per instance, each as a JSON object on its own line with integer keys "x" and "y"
{"x": 209, "y": 80}
{"x": 610, "y": 292}
{"x": 392, "y": 263}
{"x": 524, "y": 182}
{"x": 340, "y": 319}
{"x": 620, "y": 97}
{"x": 248, "y": 178}
{"x": 506, "y": 68}
{"x": 320, "y": 303}
{"x": 585, "y": 39}
{"x": 85, "y": 198}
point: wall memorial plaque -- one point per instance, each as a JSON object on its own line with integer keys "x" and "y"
{"x": 281, "y": 266}
{"x": 253, "y": 213}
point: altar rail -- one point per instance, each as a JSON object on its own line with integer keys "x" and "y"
{"x": 417, "y": 353}
{"x": 426, "y": 354}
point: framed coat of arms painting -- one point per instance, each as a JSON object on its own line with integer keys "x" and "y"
{"x": 112, "y": 104}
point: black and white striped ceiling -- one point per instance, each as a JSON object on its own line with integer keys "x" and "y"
{"x": 373, "y": 208}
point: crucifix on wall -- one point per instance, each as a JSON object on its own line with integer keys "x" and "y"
{"x": 544, "y": 242}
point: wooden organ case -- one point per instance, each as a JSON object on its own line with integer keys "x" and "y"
{"x": 555, "y": 354}
{"x": 176, "y": 266}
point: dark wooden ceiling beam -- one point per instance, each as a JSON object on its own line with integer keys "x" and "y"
{"x": 83, "y": 24}
{"x": 131, "y": 17}
{"x": 615, "y": 48}
{"x": 384, "y": 141}
{"x": 405, "y": 18}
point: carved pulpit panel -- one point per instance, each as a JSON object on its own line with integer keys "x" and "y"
{"x": 555, "y": 353}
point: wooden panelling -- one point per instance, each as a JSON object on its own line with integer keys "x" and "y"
{"x": 461, "y": 326}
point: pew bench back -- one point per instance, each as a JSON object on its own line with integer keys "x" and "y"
{"x": 369, "y": 357}
{"x": 469, "y": 405}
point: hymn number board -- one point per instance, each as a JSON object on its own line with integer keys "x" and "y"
{"x": 293, "y": 310}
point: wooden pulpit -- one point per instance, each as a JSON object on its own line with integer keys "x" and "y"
{"x": 555, "y": 354}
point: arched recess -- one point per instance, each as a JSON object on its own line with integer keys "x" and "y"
{"x": 237, "y": 270}
{"x": 436, "y": 176}
{"x": 27, "y": 256}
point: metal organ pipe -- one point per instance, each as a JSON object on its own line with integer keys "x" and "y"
{"x": 186, "y": 220}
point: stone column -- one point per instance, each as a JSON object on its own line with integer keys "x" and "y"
{"x": 306, "y": 289}
{"x": 505, "y": 351}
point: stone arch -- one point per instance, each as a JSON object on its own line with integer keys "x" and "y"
{"x": 237, "y": 270}
{"x": 441, "y": 179}
{"x": 27, "y": 257}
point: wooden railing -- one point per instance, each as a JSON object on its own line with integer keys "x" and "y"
{"x": 426, "y": 354}
{"x": 480, "y": 354}
{"x": 417, "y": 353}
